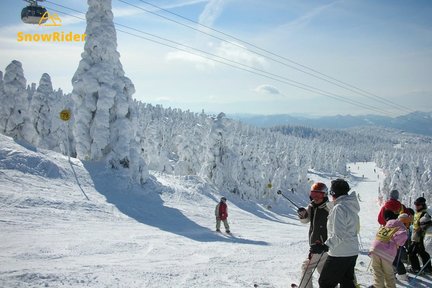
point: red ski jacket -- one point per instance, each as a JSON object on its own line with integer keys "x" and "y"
{"x": 222, "y": 210}
{"x": 393, "y": 205}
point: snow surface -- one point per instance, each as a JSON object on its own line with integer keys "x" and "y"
{"x": 161, "y": 235}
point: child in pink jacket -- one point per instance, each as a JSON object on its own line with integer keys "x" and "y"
{"x": 384, "y": 249}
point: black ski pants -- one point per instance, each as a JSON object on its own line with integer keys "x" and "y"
{"x": 338, "y": 270}
{"x": 419, "y": 249}
{"x": 400, "y": 267}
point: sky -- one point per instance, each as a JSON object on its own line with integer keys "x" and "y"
{"x": 383, "y": 48}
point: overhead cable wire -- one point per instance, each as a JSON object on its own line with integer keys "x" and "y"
{"x": 229, "y": 62}
{"x": 327, "y": 78}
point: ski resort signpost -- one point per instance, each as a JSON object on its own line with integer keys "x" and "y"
{"x": 65, "y": 115}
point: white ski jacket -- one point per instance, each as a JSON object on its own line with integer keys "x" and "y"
{"x": 427, "y": 240}
{"x": 343, "y": 226}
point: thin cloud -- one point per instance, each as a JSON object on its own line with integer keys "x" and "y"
{"x": 239, "y": 53}
{"x": 307, "y": 18}
{"x": 131, "y": 11}
{"x": 184, "y": 3}
{"x": 211, "y": 12}
{"x": 267, "y": 89}
{"x": 198, "y": 61}
{"x": 224, "y": 50}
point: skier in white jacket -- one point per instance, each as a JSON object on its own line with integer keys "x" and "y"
{"x": 426, "y": 225}
{"x": 342, "y": 242}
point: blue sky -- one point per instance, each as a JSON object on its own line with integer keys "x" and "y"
{"x": 384, "y": 47}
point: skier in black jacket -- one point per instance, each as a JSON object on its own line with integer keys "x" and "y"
{"x": 316, "y": 214}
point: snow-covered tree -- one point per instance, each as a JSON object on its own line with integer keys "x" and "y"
{"x": 62, "y": 130}
{"x": 103, "y": 96}
{"x": 14, "y": 104}
{"x": 41, "y": 113}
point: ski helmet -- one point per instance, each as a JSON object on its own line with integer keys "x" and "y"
{"x": 339, "y": 187}
{"x": 223, "y": 199}
{"x": 319, "y": 187}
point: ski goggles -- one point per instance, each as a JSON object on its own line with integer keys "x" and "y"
{"x": 317, "y": 194}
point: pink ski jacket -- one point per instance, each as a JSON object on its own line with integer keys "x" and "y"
{"x": 388, "y": 239}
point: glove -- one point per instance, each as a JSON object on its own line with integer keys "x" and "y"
{"x": 302, "y": 213}
{"x": 318, "y": 248}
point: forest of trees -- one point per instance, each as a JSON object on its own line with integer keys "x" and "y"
{"x": 235, "y": 157}
{"x": 108, "y": 125}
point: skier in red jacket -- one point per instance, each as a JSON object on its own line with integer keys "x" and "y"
{"x": 221, "y": 213}
{"x": 393, "y": 205}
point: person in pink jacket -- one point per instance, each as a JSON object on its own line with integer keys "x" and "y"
{"x": 384, "y": 249}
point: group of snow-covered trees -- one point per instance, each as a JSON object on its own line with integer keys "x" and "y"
{"x": 107, "y": 124}
{"x": 29, "y": 113}
{"x": 408, "y": 168}
{"x": 235, "y": 157}
{"x": 406, "y": 159}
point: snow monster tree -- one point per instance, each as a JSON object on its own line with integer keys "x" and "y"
{"x": 14, "y": 102}
{"x": 104, "y": 113}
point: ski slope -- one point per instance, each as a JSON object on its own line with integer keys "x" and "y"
{"x": 161, "y": 235}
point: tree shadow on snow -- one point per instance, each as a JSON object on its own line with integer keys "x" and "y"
{"x": 270, "y": 215}
{"x": 145, "y": 205}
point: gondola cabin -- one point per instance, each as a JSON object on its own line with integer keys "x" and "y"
{"x": 33, "y": 13}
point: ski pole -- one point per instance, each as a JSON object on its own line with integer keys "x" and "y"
{"x": 314, "y": 270}
{"x": 280, "y": 193}
{"x": 307, "y": 267}
{"x": 421, "y": 270}
{"x": 370, "y": 262}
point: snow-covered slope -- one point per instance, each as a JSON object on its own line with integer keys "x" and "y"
{"x": 76, "y": 224}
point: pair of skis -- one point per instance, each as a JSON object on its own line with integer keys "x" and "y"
{"x": 256, "y": 285}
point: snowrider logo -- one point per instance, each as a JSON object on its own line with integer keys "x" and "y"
{"x": 50, "y": 20}
{"x": 54, "y": 20}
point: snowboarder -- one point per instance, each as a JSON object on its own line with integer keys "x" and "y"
{"x": 417, "y": 247}
{"x": 384, "y": 250}
{"x": 221, "y": 213}
{"x": 342, "y": 243}
{"x": 316, "y": 214}
{"x": 393, "y": 205}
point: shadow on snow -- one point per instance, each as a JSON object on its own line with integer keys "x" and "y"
{"x": 145, "y": 205}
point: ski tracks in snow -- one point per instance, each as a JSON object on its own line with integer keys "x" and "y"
{"x": 51, "y": 236}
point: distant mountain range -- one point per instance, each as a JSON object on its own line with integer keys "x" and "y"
{"x": 416, "y": 122}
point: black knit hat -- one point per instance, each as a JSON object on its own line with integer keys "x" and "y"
{"x": 339, "y": 187}
{"x": 420, "y": 201}
{"x": 389, "y": 215}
